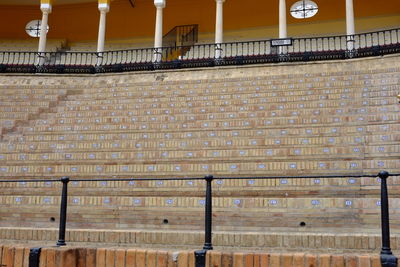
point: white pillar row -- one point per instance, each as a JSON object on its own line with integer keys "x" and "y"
{"x": 158, "y": 35}
{"x": 282, "y": 24}
{"x": 350, "y": 28}
{"x": 219, "y": 28}
{"x": 46, "y": 10}
{"x": 104, "y": 7}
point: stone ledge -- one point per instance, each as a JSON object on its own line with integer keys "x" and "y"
{"x": 279, "y": 240}
{"x": 109, "y": 257}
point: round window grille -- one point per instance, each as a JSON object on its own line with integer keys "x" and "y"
{"x": 33, "y": 28}
{"x": 303, "y": 9}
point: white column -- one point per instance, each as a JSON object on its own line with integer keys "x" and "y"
{"x": 219, "y": 28}
{"x": 103, "y": 8}
{"x": 282, "y": 24}
{"x": 350, "y": 28}
{"x": 158, "y": 35}
{"x": 46, "y": 10}
{"x": 282, "y": 19}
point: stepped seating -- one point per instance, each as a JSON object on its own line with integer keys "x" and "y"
{"x": 308, "y": 123}
{"x": 20, "y": 105}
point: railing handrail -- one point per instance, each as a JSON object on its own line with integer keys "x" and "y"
{"x": 197, "y": 178}
{"x": 205, "y": 44}
{"x": 190, "y": 55}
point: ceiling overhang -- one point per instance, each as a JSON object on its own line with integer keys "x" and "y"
{"x": 37, "y": 2}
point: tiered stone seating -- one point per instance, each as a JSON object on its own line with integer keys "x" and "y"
{"x": 20, "y": 104}
{"x": 321, "y": 119}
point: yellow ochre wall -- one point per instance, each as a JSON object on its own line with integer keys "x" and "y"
{"x": 80, "y": 22}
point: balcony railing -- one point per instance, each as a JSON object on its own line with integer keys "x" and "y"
{"x": 203, "y": 55}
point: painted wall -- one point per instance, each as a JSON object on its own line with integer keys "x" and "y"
{"x": 80, "y": 22}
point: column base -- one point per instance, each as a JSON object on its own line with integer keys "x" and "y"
{"x": 388, "y": 260}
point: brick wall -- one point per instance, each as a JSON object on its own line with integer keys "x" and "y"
{"x": 100, "y": 257}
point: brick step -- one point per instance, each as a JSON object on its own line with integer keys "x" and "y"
{"x": 353, "y": 192}
{"x": 188, "y": 212}
{"x": 188, "y": 169}
{"x": 336, "y": 240}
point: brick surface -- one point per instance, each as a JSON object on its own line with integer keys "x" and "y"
{"x": 51, "y": 258}
{"x": 364, "y": 261}
{"x": 91, "y": 257}
{"x": 43, "y": 257}
{"x": 26, "y": 256}
{"x": 287, "y": 260}
{"x": 172, "y": 259}
{"x": 151, "y": 257}
{"x": 226, "y": 259}
{"x": 192, "y": 261}
{"x": 325, "y": 260}
{"x": 120, "y": 257}
{"x": 298, "y": 259}
{"x": 81, "y": 257}
{"x": 351, "y": 261}
{"x": 375, "y": 261}
{"x": 101, "y": 257}
{"x": 238, "y": 260}
{"x": 68, "y": 258}
{"x": 249, "y": 260}
{"x": 216, "y": 259}
{"x": 18, "y": 257}
{"x": 337, "y": 261}
{"x": 275, "y": 259}
{"x": 162, "y": 259}
{"x": 183, "y": 259}
{"x": 110, "y": 258}
{"x": 140, "y": 258}
{"x": 131, "y": 258}
{"x": 311, "y": 260}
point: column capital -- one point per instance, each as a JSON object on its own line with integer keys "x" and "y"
{"x": 160, "y": 3}
{"x": 46, "y": 8}
{"x": 104, "y": 5}
{"x": 220, "y": 1}
{"x": 46, "y": 5}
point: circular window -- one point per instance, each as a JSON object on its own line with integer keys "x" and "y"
{"x": 303, "y": 9}
{"x": 33, "y": 28}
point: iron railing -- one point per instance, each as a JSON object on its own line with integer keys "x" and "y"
{"x": 203, "y": 55}
{"x": 387, "y": 258}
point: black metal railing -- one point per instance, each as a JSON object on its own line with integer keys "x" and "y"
{"x": 386, "y": 255}
{"x": 179, "y": 41}
{"x": 203, "y": 55}
{"x": 181, "y": 35}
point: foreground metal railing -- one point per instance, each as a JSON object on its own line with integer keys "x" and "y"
{"x": 205, "y": 55}
{"x": 386, "y": 255}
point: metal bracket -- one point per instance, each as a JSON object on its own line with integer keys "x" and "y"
{"x": 200, "y": 258}
{"x": 34, "y": 257}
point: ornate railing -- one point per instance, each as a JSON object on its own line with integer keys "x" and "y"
{"x": 203, "y": 55}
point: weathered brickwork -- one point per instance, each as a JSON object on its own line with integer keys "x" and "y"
{"x": 92, "y": 257}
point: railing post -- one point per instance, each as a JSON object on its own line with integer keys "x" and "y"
{"x": 387, "y": 258}
{"x": 63, "y": 212}
{"x": 208, "y": 214}
{"x": 200, "y": 255}
{"x": 34, "y": 257}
